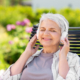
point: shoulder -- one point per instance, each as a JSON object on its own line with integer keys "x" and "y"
{"x": 73, "y": 59}
{"x": 32, "y": 57}
{"x": 72, "y": 55}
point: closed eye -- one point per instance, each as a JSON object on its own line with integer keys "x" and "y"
{"x": 53, "y": 30}
{"x": 50, "y": 30}
{"x": 41, "y": 30}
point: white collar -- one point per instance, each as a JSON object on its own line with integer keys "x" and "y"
{"x": 56, "y": 54}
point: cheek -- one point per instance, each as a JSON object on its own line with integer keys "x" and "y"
{"x": 40, "y": 35}
{"x": 56, "y": 36}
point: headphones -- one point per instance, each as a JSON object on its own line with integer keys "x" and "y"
{"x": 64, "y": 34}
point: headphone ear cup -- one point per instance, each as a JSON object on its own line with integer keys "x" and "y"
{"x": 64, "y": 35}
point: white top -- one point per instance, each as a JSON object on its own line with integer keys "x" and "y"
{"x": 73, "y": 62}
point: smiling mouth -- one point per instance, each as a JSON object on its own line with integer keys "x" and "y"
{"x": 46, "y": 39}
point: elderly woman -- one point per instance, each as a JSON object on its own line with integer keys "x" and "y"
{"x": 51, "y": 62}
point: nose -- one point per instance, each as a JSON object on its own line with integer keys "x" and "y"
{"x": 46, "y": 32}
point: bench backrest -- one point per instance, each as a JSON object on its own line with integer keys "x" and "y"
{"x": 73, "y": 36}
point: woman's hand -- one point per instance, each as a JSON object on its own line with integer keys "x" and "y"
{"x": 19, "y": 64}
{"x": 29, "y": 49}
{"x": 64, "y": 49}
{"x": 63, "y": 64}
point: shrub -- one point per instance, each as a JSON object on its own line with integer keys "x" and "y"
{"x": 9, "y": 15}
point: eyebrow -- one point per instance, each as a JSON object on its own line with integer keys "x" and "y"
{"x": 50, "y": 28}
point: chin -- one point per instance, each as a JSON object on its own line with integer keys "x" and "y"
{"x": 46, "y": 45}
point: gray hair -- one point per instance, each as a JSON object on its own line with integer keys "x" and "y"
{"x": 59, "y": 19}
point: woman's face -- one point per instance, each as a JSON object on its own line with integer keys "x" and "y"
{"x": 49, "y": 33}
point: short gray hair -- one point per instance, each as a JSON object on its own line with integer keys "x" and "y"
{"x": 59, "y": 19}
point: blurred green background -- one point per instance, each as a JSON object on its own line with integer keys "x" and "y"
{"x": 16, "y": 21}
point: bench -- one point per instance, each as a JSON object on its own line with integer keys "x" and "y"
{"x": 73, "y": 36}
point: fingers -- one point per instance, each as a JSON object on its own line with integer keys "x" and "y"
{"x": 32, "y": 41}
{"x": 37, "y": 47}
{"x": 33, "y": 38}
{"x": 65, "y": 41}
{"x": 66, "y": 44}
{"x": 61, "y": 47}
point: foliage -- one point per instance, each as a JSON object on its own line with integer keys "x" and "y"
{"x": 72, "y": 16}
{"x": 16, "y": 26}
{"x": 9, "y": 15}
{"x": 13, "y": 42}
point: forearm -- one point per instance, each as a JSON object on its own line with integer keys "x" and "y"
{"x": 19, "y": 64}
{"x": 63, "y": 67}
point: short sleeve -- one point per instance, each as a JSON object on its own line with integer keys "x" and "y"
{"x": 6, "y": 75}
{"x": 74, "y": 68}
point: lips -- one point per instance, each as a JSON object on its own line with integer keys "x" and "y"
{"x": 46, "y": 39}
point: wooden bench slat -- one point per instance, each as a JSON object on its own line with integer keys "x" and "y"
{"x": 73, "y": 36}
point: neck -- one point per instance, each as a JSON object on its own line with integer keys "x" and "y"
{"x": 52, "y": 49}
